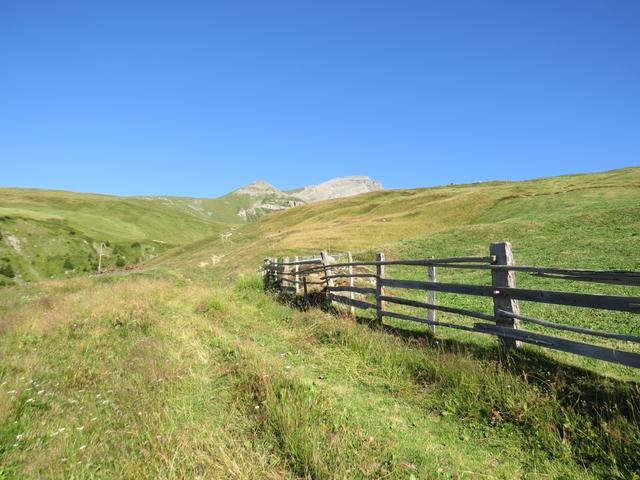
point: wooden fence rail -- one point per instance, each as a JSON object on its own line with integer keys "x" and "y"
{"x": 506, "y": 320}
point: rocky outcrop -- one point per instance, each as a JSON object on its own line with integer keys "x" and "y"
{"x": 260, "y": 197}
{"x": 337, "y": 188}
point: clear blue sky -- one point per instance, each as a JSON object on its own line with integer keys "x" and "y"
{"x": 199, "y": 97}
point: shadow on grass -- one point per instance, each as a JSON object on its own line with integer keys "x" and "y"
{"x": 586, "y": 391}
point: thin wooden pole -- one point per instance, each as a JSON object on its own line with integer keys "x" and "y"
{"x": 379, "y": 287}
{"x": 276, "y": 277}
{"x": 431, "y": 298}
{"x": 324, "y": 256}
{"x": 265, "y": 272}
{"x": 297, "y": 277}
{"x": 503, "y": 302}
{"x": 285, "y": 271}
{"x": 351, "y": 283}
{"x": 306, "y": 291}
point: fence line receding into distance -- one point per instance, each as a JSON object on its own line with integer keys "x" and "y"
{"x": 298, "y": 275}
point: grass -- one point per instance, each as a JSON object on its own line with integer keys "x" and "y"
{"x": 597, "y": 212}
{"x": 187, "y": 368}
{"x": 47, "y": 233}
{"x": 163, "y": 377}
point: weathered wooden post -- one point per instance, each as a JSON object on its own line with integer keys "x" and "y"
{"x": 431, "y": 297}
{"x": 352, "y": 309}
{"x": 502, "y": 301}
{"x": 276, "y": 276}
{"x": 286, "y": 270}
{"x": 305, "y": 290}
{"x": 297, "y": 277}
{"x": 324, "y": 257}
{"x": 379, "y": 287}
{"x": 266, "y": 280}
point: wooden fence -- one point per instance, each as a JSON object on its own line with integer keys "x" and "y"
{"x": 301, "y": 275}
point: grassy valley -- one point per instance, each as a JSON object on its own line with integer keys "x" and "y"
{"x": 48, "y": 233}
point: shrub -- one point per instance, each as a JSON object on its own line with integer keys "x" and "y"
{"x": 6, "y": 269}
{"x": 120, "y": 262}
{"x": 67, "y": 264}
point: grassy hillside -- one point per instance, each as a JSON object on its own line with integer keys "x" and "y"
{"x": 189, "y": 369}
{"x": 588, "y": 221}
{"x": 46, "y": 233}
{"x": 580, "y": 220}
{"x": 154, "y": 376}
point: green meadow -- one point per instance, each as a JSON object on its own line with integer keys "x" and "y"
{"x": 187, "y": 368}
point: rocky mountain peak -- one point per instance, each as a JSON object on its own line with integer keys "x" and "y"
{"x": 337, "y": 188}
{"x": 257, "y": 188}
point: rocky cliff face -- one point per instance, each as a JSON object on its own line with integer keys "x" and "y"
{"x": 338, "y": 188}
{"x": 260, "y": 197}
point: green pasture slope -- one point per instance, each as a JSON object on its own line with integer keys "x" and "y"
{"x": 188, "y": 369}
{"x": 47, "y": 233}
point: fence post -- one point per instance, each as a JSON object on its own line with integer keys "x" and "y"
{"x": 286, "y": 281}
{"x": 324, "y": 256}
{"x": 266, "y": 280}
{"x": 276, "y": 277}
{"x": 379, "y": 288}
{"x": 431, "y": 298}
{"x": 297, "y": 277}
{"x": 504, "y": 278}
{"x": 305, "y": 290}
{"x": 352, "y": 309}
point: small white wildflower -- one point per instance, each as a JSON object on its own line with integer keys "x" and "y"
{"x": 287, "y": 367}
{"x": 105, "y": 402}
{"x": 40, "y": 392}
{"x": 83, "y": 447}
{"x": 94, "y": 419}
{"x": 80, "y": 428}
{"x": 98, "y": 395}
{"x": 257, "y": 407}
{"x": 19, "y": 437}
{"x": 139, "y": 413}
{"x": 4, "y": 383}
{"x": 29, "y": 400}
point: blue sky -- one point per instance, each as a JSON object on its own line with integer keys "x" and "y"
{"x": 199, "y": 97}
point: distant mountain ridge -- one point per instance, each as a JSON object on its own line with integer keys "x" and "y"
{"x": 338, "y": 188}
{"x": 261, "y": 197}
{"x": 54, "y": 233}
